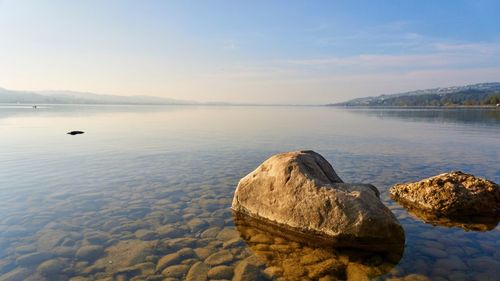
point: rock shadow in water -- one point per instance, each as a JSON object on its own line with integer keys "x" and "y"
{"x": 293, "y": 256}
{"x": 468, "y": 223}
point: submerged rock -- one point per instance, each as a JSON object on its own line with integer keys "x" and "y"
{"x": 451, "y": 194}
{"x": 293, "y": 259}
{"x": 300, "y": 191}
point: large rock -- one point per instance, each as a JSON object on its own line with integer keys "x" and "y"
{"x": 451, "y": 194}
{"x": 301, "y": 192}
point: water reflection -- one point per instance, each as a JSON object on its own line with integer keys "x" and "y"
{"x": 469, "y": 223}
{"x": 294, "y": 257}
{"x": 436, "y": 115}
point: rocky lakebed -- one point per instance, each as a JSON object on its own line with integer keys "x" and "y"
{"x": 188, "y": 231}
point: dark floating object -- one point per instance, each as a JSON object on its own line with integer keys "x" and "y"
{"x": 75, "y": 133}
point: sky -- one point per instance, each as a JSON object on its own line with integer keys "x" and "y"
{"x": 290, "y": 52}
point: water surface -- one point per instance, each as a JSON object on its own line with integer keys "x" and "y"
{"x": 147, "y": 182}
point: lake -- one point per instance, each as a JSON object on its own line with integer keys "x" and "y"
{"x": 145, "y": 193}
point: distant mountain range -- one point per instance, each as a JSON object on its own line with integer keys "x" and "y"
{"x": 71, "y": 97}
{"x": 469, "y": 95}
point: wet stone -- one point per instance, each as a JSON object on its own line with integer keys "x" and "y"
{"x": 25, "y": 249}
{"x": 145, "y": 234}
{"x": 176, "y": 271}
{"x": 203, "y": 253}
{"x": 196, "y": 224}
{"x": 33, "y": 258}
{"x": 168, "y": 260}
{"x": 17, "y": 274}
{"x": 51, "y": 267}
{"x": 221, "y": 257}
{"x": 228, "y": 234}
{"x": 245, "y": 271}
{"x": 221, "y": 272}
{"x": 89, "y": 253}
{"x": 198, "y": 272}
{"x": 210, "y": 233}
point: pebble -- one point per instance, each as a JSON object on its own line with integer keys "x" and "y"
{"x": 51, "y": 267}
{"x": 176, "y": 271}
{"x": 168, "y": 260}
{"x": 228, "y": 234}
{"x": 218, "y": 258}
{"x": 89, "y": 253}
{"x": 197, "y": 272}
{"x": 33, "y": 258}
{"x": 221, "y": 272}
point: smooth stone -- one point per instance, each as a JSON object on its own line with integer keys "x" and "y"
{"x": 245, "y": 271}
{"x": 196, "y": 224}
{"x": 261, "y": 238}
{"x": 145, "y": 234}
{"x": 62, "y": 251}
{"x": 187, "y": 253}
{"x": 51, "y": 267}
{"x": 33, "y": 258}
{"x": 203, "y": 253}
{"x": 168, "y": 231}
{"x": 211, "y": 232}
{"x": 228, "y": 234}
{"x": 300, "y": 191}
{"x": 236, "y": 242}
{"x": 18, "y": 274}
{"x": 221, "y": 272}
{"x": 176, "y": 271}
{"x": 218, "y": 258}
{"x": 50, "y": 239}
{"x": 126, "y": 253}
{"x": 25, "y": 249}
{"x": 168, "y": 260}
{"x": 89, "y": 253}
{"x": 198, "y": 272}
{"x": 179, "y": 243}
{"x": 98, "y": 238}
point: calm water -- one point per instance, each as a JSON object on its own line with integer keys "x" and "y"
{"x": 145, "y": 193}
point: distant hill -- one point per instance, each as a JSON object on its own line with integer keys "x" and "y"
{"x": 476, "y": 94}
{"x": 71, "y": 97}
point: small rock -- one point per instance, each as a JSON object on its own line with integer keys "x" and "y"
{"x": 168, "y": 260}
{"x": 33, "y": 258}
{"x": 176, "y": 271}
{"x": 221, "y": 272}
{"x": 89, "y": 253}
{"x": 228, "y": 234}
{"x": 51, "y": 267}
{"x": 145, "y": 234}
{"x": 247, "y": 272}
{"x": 198, "y": 272}
{"x": 221, "y": 257}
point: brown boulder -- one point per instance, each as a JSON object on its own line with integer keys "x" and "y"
{"x": 300, "y": 191}
{"x": 450, "y": 194}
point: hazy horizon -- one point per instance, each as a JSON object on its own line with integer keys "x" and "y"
{"x": 258, "y": 52}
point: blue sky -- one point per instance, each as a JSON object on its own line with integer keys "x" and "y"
{"x": 302, "y": 52}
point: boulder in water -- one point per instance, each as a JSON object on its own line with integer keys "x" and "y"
{"x": 299, "y": 191}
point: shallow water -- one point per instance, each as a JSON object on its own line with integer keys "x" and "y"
{"x": 145, "y": 192}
